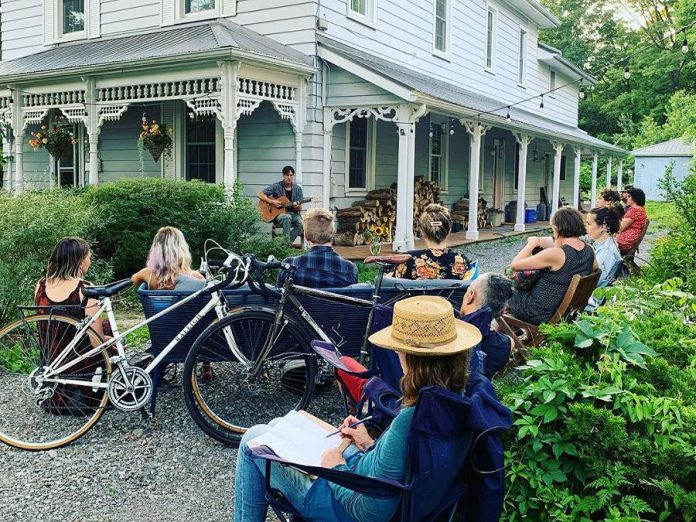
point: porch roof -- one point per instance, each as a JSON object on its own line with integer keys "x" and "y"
{"x": 189, "y": 40}
{"x": 422, "y": 87}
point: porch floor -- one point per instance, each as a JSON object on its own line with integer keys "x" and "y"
{"x": 358, "y": 253}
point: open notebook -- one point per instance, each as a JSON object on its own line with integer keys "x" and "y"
{"x": 299, "y": 437}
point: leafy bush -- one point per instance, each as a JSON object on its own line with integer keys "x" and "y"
{"x": 30, "y": 227}
{"x": 605, "y": 413}
{"x": 131, "y": 210}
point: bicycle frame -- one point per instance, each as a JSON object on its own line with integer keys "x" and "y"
{"x": 217, "y": 302}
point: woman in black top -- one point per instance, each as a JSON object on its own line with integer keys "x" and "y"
{"x": 436, "y": 261}
{"x": 559, "y": 260}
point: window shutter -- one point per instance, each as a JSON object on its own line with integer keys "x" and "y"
{"x": 229, "y": 7}
{"x": 167, "y": 11}
{"x": 94, "y": 19}
{"x": 49, "y": 21}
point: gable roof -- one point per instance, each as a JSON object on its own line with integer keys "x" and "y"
{"x": 421, "y": 87}
{"x": 676, "y": 147}
{"x": 188, "y": 40}
{"x": 553, "y": 57}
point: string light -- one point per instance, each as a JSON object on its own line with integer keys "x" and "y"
{"x": 581, "y": 93}
{"x": 541, "y": 105}
{"x": 685, "y": 43}
{"x": 451, "y": 127}
{"x": 430, "y": 133}
{"x": 507, "y": 116}
{"x": 627, "y": 73}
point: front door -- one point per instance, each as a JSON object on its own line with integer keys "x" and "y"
{"x": 200, "y": 148}
{"x": 499, "y": 174}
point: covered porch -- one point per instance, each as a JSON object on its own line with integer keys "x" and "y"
{"x": 407, "y": 125}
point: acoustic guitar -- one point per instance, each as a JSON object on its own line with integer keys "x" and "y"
{"x": 269, "y": 211}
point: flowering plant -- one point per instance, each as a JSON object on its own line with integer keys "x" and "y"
{"x": 56, "y": 140}
{"x": 155, "y": 137}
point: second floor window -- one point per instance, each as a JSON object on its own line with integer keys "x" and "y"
{"x": 72, "y": 16}
{"x": 490, "y": 38}
{"x": 522, "y": 66}
{"x": 363, "y": 11}
{"x": 441, "y": 25}
{"x": 359, "y": 7}
{"x": 195, "y": 6}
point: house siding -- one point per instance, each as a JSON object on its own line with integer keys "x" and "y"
{"x": 650, "y": 170}
{"x": 22, "y": 28}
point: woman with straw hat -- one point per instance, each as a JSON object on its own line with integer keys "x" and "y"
{"x": 434, "y": 350}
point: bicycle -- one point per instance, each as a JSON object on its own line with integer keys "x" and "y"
{"x": 266, "y": 332}
{"x": 57, "y": 375}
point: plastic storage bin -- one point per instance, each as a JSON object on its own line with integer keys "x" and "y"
{"x": 530, "y": 215}
{"x": 541, "y": 212}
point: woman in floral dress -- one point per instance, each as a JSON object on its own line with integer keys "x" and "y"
{"x": 436, "y": 261}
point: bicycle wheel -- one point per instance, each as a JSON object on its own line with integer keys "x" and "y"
{"x": 234, "y": 399}
{"x": 37, "y": 415}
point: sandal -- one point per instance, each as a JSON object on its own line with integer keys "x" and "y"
{"x": 207, "y": 373}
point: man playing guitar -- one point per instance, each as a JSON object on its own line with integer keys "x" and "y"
{"x": 291, "y": 221}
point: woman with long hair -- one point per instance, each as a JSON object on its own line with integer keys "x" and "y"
{"x": 601, "y": 224}
{"x": 558, "y": 259}
{"x": 168, "y": 265}
{"x": 429, "y": 357}
{"x": 436, "y": 261}
{"x": 634, "y": 220}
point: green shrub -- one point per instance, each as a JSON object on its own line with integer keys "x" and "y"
{"x": 131, "y": 210}
{"x": 30, "y": 227}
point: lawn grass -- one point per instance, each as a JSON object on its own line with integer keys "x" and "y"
{"x": 662, "y": 214}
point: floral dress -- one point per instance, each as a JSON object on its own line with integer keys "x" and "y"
{"x": 434, "y": 263}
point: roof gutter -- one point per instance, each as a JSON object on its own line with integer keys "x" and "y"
{"x": 306, "y": 70}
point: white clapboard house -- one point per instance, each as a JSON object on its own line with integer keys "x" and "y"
{"x": 356, "y": 94}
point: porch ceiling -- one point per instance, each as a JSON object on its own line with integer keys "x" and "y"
{"x": 159, "y": 45}
{"x": 428, "y": 89}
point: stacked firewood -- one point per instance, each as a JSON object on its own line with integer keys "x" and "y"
{"x": 460, "y": 212}
{"x": 368, "y": 220}
{"x": 374, "y": 218}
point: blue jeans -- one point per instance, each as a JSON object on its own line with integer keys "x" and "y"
{"x": 292, "y": 225}
{"x": 250, "y": 503}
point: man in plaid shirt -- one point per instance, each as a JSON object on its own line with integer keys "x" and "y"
{"x": 321, "y": 267}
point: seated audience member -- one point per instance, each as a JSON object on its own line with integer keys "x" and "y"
{"x": 633, "y": 221}
{"x": 612, "y": 199}
{"x": 428, "y": 358}
{"x": 486, "y": 299}
{"x": 436, "y": 261}
{"x": 601, "y": 224}
{"x": 624, "y": 193}
{"x": 321, "y": 266}
{"x": 559, "y": 259}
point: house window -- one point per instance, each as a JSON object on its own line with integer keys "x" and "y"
{"x": 490, "y": 38}
{"x": 363, "y": 11}
{"x": 195, "y": 6}
{"x": 522, "y": 65}
{"x": 442, "y": 23}
{"x": 358, "y": 154}
{"x": 438, "y": 156}
{"x": 563, "y": 168}
{"x": 200, "y": 149}
{"x": 72, "y": 16}
{"x": 552, "y": 82}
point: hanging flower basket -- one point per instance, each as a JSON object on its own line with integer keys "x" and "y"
{"x": 156, "y": 138}
{"x": 56, "y": 141}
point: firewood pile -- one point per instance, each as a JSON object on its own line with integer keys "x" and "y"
{"x": 460, "y": 212}
{"x": 374, "y": 218}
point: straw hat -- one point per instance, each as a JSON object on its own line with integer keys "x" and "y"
{"x": 425, "y": 325}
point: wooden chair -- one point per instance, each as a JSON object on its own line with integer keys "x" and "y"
{"x": 629, "y": 260}
{"x": 526, "y": 335}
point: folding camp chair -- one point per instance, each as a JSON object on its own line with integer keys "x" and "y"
{"x": 452, "y": 438}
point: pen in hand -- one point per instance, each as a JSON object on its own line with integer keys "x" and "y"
{"x": 349, "y": 426}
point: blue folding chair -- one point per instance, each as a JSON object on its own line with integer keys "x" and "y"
{"x": 451, "y": 438}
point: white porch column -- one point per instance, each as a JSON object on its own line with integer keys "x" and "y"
{"x": 405, "y": 124}
{"x": 476, "y": 132}
{"x": 328, "y": 143}
{"x": 524, "y": 140}
{"x": 93, "y": 129}
{"x": 298, "y": 156}
{"x": 593, "y": 192}
{"x": 556, "y": 192}
{"x": 229, "y": 118}
{"x": 18, "y": 133}
{"x": 619, "y": 174}
{"x": 576, "y": 177}
{"x": 608, "y": 171}
{"x": 7, "y": 153}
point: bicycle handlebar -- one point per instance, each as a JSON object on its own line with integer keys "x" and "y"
{"x": 231, "y": 281}
{"x": 257, "y": 283}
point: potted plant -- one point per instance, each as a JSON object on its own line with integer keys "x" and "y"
{"x": 155, "y": 137}
{"x": 55, "y": 140}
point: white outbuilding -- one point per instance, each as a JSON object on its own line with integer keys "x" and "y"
{"x": 653, "y": 160}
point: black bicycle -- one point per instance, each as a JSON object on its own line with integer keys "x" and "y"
{"x": 273, "y": 368}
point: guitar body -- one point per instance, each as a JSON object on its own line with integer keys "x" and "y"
{"x": 270, "y": 212}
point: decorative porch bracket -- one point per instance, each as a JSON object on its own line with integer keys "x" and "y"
{"x": 523, "y": 140}
{"x": 476, "y": 131}
{"x": 556, "y": 191}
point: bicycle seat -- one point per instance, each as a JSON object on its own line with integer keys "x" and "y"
{"x": 395, "y": 259}
{"x": 106, "y": 290}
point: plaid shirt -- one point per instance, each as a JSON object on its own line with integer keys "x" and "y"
{"x": 321, "y": 267}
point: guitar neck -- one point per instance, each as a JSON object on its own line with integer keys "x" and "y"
{"x": 305, "y": 200}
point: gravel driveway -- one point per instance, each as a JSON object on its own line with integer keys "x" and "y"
{"x": 165, "y": 469}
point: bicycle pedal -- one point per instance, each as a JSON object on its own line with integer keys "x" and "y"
{"x": 141, "y": 359}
